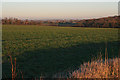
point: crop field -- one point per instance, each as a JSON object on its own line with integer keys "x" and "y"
{"x": 46, "y": 50}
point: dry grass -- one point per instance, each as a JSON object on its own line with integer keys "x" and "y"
{"x": 13, "y": 67}
{"x": 94, "y": 69}
{"x": 14, "y": 72}
{"x": 99, "y": 68}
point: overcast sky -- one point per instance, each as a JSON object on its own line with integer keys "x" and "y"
{"x": 59, "y": 10}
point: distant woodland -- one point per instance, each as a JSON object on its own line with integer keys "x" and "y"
{"x": 106, "y": 22}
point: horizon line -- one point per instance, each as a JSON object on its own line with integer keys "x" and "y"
{"x": 60, "y": 18}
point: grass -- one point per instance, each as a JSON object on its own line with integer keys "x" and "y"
{"x": 46, "y": 50}
{"x": 96, "y": 68}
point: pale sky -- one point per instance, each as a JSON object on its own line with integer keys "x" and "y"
{"x": 60, "y": 0}
{"x": 59, "y": 10}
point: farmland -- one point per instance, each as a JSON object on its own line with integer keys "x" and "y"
{"x": 46, "y": 50}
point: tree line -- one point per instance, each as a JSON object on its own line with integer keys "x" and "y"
{"x": 107, "y": 22}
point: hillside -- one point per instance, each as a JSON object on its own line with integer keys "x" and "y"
{"x": 106, "y": 22}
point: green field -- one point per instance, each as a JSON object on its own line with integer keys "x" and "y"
{"x": 47, "y": 50}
